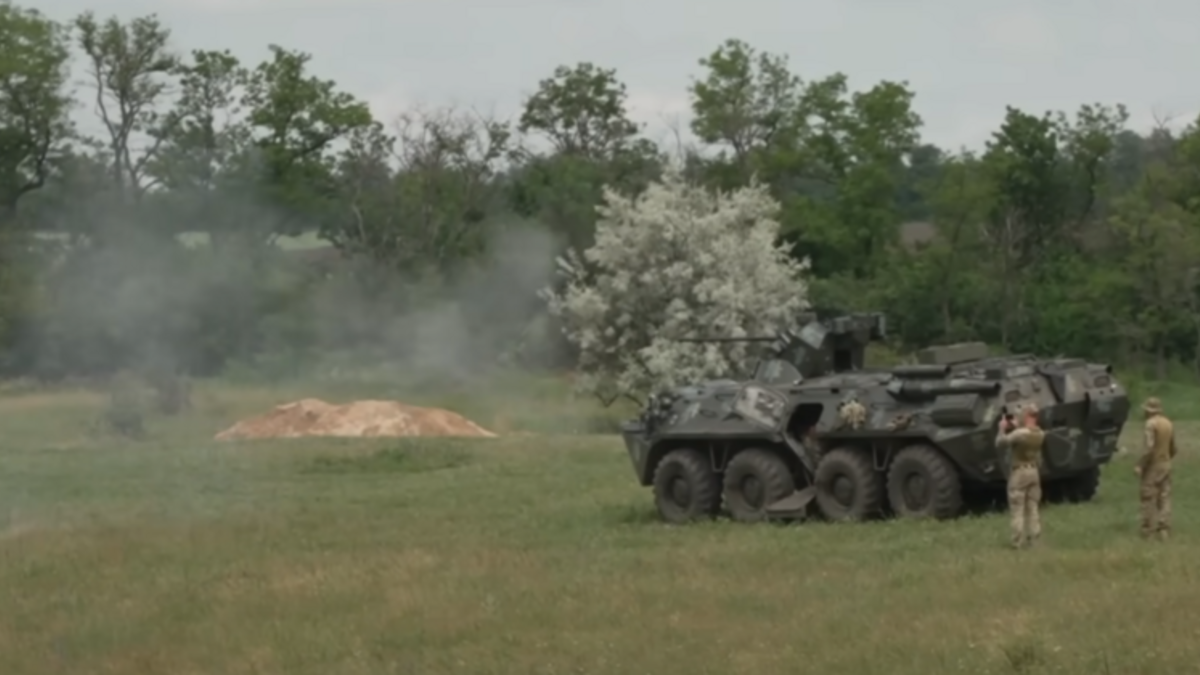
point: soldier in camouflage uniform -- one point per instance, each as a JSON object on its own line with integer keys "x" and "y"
{"x": 1024, "y": 480}
{"x": 1154, "y": 468}
{"x": 852, "y": 414}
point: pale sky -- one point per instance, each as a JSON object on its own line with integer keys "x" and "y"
{"x": 965, "y": 59}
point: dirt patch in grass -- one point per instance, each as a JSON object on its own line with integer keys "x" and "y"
{"x": 358, "y": 419}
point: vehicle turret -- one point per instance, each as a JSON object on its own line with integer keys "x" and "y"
{"x": 817, "y": 347}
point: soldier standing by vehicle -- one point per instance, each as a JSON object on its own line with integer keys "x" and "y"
{"x": 1154, "y": 468}
{"x": 1024, "y": 480}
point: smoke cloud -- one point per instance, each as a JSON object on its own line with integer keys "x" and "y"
{"x": 118, "y": 292}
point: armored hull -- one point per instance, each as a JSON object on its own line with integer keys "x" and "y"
{"x": 907, "y": 441}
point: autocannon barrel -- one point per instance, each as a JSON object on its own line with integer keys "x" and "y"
{"x": 925, "y": 389}
{"x": 921, "y": 371}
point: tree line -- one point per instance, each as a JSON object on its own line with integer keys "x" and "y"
{"x": 155, "y": 239}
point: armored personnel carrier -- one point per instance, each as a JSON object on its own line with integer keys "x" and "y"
{"x": 813, "y": 425}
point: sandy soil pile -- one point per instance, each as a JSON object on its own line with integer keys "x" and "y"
{"x": 313, "y": 417}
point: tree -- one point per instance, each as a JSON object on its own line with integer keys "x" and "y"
{"x": 34, "y": 102}
{"x": 432, "y": 211}
{"x": 747, "y": 103}
{"x": 206, "y": 133}
{"x": 296, "y": 118}
{"x": 677, "y": 261}
{"x": 1028, "y": 208}
{"x": 1159, "y": 243}
{"x": 204, "y": 159}
{"x": 941, "y": 292}
{"x": 129, "y": 66}
{"x": 924, "y": 168}
{"x": 1026, "y": 164}
{"x": 582, "y": 112}
{"x": 833, "y": 158}
{"x": 856, "y": 145}
{"x": 1089, "y": 145}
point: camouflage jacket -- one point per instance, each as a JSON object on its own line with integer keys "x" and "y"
{"x": 1025, "y": 444}
{"x": 1158, "y": 441}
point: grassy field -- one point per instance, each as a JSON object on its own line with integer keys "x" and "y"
{"x": 532, "y": 553}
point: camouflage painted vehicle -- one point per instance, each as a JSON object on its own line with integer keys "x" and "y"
{"x": 911, "y": 441}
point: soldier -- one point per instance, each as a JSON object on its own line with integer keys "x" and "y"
{"x": 1154, "y": 468}
{"x": 852, "y": 414}
{"x": 1024, "y": 480}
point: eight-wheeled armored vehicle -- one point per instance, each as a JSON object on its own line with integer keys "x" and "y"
{"x": 813, "y": 425}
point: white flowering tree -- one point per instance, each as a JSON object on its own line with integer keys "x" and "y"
{"x": 678, "y": 261}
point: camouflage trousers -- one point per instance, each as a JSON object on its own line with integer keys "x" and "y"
{"x": 1155, "y": 495}
{"x": 1024, "y": 496}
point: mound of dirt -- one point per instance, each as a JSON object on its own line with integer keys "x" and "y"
{"x": 359, "y": 419}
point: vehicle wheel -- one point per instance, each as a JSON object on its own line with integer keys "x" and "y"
{"x": 922, "y": 483}
{"x": 755, "y": 479}
{"x": 848, "y": 487}
{"x": 1074, "y": 490}
{"x": 685, "y": 487}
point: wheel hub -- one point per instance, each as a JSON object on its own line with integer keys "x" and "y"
{"x": 916, "y": 491}
{"x": 752, "y": 492}
{"x": 681, "y": 492}
{"x": 843, "y": 490}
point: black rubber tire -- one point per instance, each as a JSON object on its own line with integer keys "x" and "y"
{"x": 755, "y": 479}
{"x": 686, "y": 488}
{"x": 940, "y": 492}
{"x": 846, "y": 470}
{"x": 1074, "y": 490}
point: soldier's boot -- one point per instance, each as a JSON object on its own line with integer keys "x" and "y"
{"x": 1018, "y": 538}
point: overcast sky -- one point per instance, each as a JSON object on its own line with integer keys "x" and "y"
{"x": 965, "y": 59}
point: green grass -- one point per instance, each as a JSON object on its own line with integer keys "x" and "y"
{"x": 535, "y": 552}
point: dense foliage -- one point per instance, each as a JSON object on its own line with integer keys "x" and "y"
{"x": 679, "y": 261}
{"x": 155, "y": 244}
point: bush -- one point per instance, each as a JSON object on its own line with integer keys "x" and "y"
{"x": 676, "y": 261}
